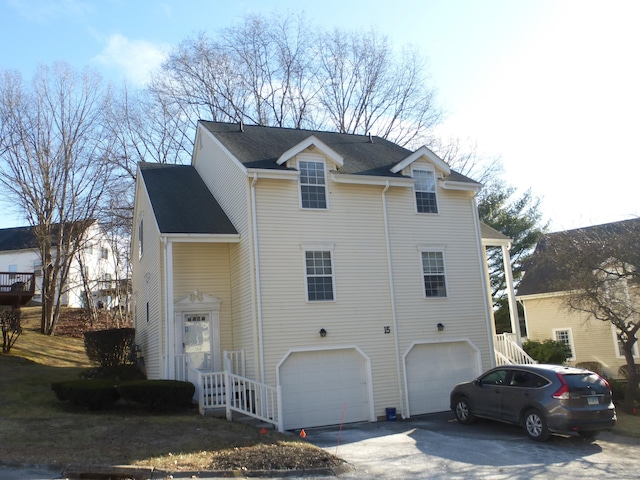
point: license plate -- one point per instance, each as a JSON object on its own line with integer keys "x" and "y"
{"x": 593, "y": 401}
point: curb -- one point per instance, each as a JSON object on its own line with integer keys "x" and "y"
{"x": 122, "y": 472}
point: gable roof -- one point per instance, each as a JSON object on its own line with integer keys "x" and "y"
{"x": 262, "y": 147}
{"x": 179, "y": 196}
{"x": 18, "y": 238}
{"x": 542, "y": 275}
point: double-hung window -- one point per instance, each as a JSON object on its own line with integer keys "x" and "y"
{"x": 313, "y": 184}
{"x": 425, "y": 190}
{"x": 319, "y": 275}
{"x": 433, "y": 273}
{"x": 564, "y": 335}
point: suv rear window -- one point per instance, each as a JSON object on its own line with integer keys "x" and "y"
{"x": 582, "y": 382}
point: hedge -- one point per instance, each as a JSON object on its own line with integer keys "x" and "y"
{"x": 158, "y": 394}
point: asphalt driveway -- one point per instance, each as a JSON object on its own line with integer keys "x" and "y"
{"x": 437, "y": 447}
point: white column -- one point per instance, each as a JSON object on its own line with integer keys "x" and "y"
{"x": 513, "y": 307}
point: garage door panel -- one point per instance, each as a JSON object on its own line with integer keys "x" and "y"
{"x": 318, "y": 387}
{"x": 433, "y": 370}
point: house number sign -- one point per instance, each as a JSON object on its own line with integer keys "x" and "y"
{"x": 387, "y": 329}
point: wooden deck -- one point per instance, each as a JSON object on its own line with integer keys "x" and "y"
{"x": 16, "y": 288}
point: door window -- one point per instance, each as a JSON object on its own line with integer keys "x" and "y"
{"x": 196, "y": 339}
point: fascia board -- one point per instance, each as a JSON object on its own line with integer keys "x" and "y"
{"x": 450, "y": 185}
{"x": 422, "y": 152}
{"x": 201, "y": 237}
{"x": 273, "y": 174}
{"x": 306, "y": 143}
{"x": 372, "y": 180}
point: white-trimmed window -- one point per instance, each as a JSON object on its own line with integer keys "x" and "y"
{"x": 618, "y": 344}
{"x": 425, "y": 190}
{"x": 313, "y": 183}
{"x": 433, "y": 273}
{"x": 564, "y": 335}
{"x": 319, "y": 275}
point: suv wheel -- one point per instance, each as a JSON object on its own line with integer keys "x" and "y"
{"x": 535, "y": 426}
{"x": 462, "y": 411}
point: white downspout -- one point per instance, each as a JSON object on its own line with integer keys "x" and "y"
{"x": 168, "y": 295}
{"x": 256, "y": 254}
{"x": 394, "y": 313}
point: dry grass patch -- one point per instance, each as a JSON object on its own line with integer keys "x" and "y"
{"x": 44, "y": 430}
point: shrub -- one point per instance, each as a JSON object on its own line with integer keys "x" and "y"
{"x": 158, "y": 394}
{"x": 593, "y": 366}
{"x": 91, "y": 394}
{"x": 623, "y": 371}
{"x": 110, "y": 348}
{"x": 549, "y": 351}
{"x": 118, "y": 373}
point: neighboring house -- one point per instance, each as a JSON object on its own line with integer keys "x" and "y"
{"x": 19, "y": 253}
{"x": 343, "y": 272}
{"x": 546, "y": 313}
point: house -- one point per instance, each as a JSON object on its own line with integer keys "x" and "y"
{"x": 546, "y": 313}
{"x": 333, "y": 276}
{"x": 19, "y": 256}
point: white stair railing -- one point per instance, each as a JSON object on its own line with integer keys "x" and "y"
{"x": 507, "y": 351}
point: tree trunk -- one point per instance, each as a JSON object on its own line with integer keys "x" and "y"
{"x": 632, "y": 381}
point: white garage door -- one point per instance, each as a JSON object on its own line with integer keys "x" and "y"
{"x": 318, "y": 386}
{"x": 432, "y": 371}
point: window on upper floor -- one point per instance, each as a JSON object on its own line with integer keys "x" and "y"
{"x": 104, "y": 253}
{"x": 89, "y": 249}
{"x": 425, "y": 190}
{"x": 564, "y": 335}
{"x": 313, "y": 184}
{"x": 435, "y": 281}
{"x": 319, "y": 275}
{"x": 140, "y": 239}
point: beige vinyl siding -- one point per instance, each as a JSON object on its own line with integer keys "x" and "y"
{"x": 147, "y": 286}
{"x": 228, "y": 182}
{"x": 205, "y": 267}
{"x": 353, "y": 227}
{"x": 592, "y": 339}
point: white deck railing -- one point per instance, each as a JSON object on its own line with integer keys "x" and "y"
{"x": 507, "y": 351}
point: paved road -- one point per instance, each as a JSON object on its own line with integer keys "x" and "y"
{"x": 436, "y": 447}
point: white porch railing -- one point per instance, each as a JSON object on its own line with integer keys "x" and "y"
{"x": 230, "y": 389}
{"x": 507, "y": 351}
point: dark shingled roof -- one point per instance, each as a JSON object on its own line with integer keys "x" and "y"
{"x": 19, "y": 238}
{"x": 542, "y": 275}
{"x": 181, "y": 201}
{"x": 260, "y": 147}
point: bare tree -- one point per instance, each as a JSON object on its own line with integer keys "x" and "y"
{"x": 366, "y": 88}
{"x": 54, "y": 164}
{"x": 597, "y": 267}
{"x": 274, "y": 71}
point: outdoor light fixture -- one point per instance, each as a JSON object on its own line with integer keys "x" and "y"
{"x": 323, "y": 332}
{"x": 440, "y": 327}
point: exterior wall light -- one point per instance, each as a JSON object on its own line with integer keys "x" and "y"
{"x": 323, "y": 332}
{"x": 440, "y": 327}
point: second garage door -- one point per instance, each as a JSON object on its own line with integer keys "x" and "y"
{"x": 432, "y": 371}
{"x": 320, "y": 387}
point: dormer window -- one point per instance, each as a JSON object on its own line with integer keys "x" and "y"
{"x": 313, "y": 184}
{"x": 425, "y": 190}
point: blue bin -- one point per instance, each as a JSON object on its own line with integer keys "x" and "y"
{"x": 391, "y": 414}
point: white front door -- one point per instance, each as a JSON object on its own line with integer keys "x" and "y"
{"x": 197, "y": 339}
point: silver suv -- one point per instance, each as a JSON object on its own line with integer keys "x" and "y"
{"x": 544, "y": 399}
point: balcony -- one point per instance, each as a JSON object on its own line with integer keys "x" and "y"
{"x": 16, "y": 288}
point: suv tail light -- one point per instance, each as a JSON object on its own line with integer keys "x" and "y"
{"x": 563, "y": 392}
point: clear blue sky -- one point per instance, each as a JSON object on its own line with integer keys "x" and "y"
{"x": 551, "y": 86}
